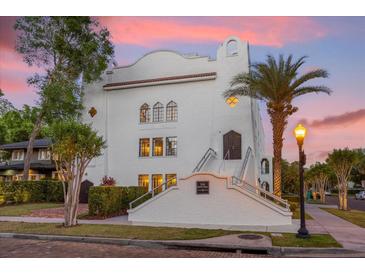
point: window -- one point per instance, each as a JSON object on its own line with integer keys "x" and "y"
{"x": 143, "y": 180}
{"x": 157, "y": 180}
{"x": 232, "y": 48}
{"x": 265, "y": 186}
{"x": 170, "y": 179}
{"x": 265, "y": 166}
{"x": 157, "y": 146}
{"x": 171, "y": 111}
{"x": 44, "y": 154}
{"x": 18, "y": 155}
{"x": 158, "y": 112}
{"x": 144, "y": 147}
{"x": 171, "y": 146}
{"x": 144, "y": 113}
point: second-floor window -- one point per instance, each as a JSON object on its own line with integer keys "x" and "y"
{"x": 144, "y": 147}
{"x": 44, "y": 154}
{"x": 18, "y": 155}
{"x": 171, "y": 146}
{"x": 158, "y": 112}
{"x": 157, "y": 146}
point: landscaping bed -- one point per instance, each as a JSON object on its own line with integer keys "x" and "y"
{"x": 356, "y": 217}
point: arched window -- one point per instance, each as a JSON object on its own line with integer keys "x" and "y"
{"x": 232, "y": 48}
{"x": 144, "y": 113}
{"x": 171, "y": 111}
{"x": 158, "y": 112}
{"x": 265, "y": 166}
{"x": 265, "y": 185}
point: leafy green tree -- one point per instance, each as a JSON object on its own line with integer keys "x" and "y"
{"x": 342, "y": 161}
{"x": 74, "y": 146}
{"x": 5, "y": 104}
{"x": 290, "y": 177}
{"x": 17, "y": 125}
{"x": 277, "y": 83}
{"x": 319, "y": 175}
{"x": 70, "y": 50}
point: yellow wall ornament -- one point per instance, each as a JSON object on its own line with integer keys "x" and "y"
{"x": 92, "y": 112}
{"x": 232, "y": 101}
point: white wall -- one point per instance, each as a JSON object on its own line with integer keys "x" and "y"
{"x": 203, "y": 115}
{"x": 222, "y": 206}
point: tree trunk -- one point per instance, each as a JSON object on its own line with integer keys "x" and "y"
{"x": 278, "y": 121}
{"x": 28, "y": 156}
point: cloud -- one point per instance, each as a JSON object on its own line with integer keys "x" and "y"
{"x": 337, "y": 120}
{"x": 265, "y": 31}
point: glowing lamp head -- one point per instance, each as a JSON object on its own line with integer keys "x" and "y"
{"x": 300, "y": 133}
{"x": 232, "y": 101}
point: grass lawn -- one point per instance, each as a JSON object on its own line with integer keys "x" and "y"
{"x": 315, "y": 240}
{"x": 25, "y": 209}
{"x": 296, "y": 215}
{"x": 356, "y": 217}
{"x": 157, "y": 233}
{"x": 115, "y": 231}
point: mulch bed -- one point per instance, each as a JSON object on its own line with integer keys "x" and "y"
{"x": 56, "y": 212}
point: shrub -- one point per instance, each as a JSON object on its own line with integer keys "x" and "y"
{"x": 106, "y": 201}
{"x": 32, "y": 191}
{"x": 293, "y": 206}
{"x": 108, "y": 181}
{"x": 291, "y": 198}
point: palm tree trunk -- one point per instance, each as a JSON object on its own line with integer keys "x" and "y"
{"x": 278, "y": 121}
{"x": 28, "y": 156}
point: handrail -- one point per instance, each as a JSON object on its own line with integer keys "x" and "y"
{"x": 166, "y": 184}
{"x": 204, "y": 159}
{"x": 227, "y": 155}
{"x": 261, "y": 193}
{"x": 245, "y": 161}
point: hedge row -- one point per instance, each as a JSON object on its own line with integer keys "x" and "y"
{"x": 31, "y": 191}
{"x": 107, "y": 201}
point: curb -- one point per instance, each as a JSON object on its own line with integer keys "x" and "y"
{"x": 274, "y": 251}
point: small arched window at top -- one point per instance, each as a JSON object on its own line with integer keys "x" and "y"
{"x": 265, "y": 166}
{"x": 158, "y": 111}
{"x": 232, "y": 48}
{"x": 144, "y": 113}
{"x": 171, "y": 111}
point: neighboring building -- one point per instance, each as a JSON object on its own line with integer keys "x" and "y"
{"x": 41, "y": 165}
{"x": 164, "y": 119}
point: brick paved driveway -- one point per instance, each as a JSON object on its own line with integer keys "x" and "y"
{"x": 21, "y": 248}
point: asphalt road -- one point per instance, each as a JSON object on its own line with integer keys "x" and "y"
{"x": 354, "y": 204}
{"x": 22, "y": 248}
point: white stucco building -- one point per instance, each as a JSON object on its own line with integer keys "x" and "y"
{"x": 165, "y": 119}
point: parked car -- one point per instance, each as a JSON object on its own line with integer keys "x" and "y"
{"x": 360, "y": 195}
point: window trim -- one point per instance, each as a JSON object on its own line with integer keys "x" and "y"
{"x": 171, "y": 111}
{"x": 158, "y": 108}
{"x": 48, "y": 154}
{"x": 145, "y": 107}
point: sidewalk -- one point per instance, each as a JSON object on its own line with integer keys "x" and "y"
{"x": 349, "y": 235}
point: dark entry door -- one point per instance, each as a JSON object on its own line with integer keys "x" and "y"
{"x": 84, "y": 191}
{"x": 232, "y": 143}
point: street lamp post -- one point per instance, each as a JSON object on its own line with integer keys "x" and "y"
{"x": 300, "y": 133}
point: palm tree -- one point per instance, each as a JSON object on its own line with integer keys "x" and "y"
{"x": 277, "y": 83}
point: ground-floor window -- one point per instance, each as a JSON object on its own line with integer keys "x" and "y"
{"x": 157, "y": 181}
{"x": 171, "y": 179}
{"x": 143, "y": 180}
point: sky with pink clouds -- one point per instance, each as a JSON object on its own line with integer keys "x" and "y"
{"x": 334, "y": 43}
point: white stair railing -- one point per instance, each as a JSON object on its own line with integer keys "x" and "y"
{"x": 207, "y": 155}
{"x": 268, "y": 196}
{"x": 245, "y": 162}
{"x": 152, "y": 193}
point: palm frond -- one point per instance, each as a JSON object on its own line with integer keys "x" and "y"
{"x": 317, "y": 73}
{"x": 311, "y": 89}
